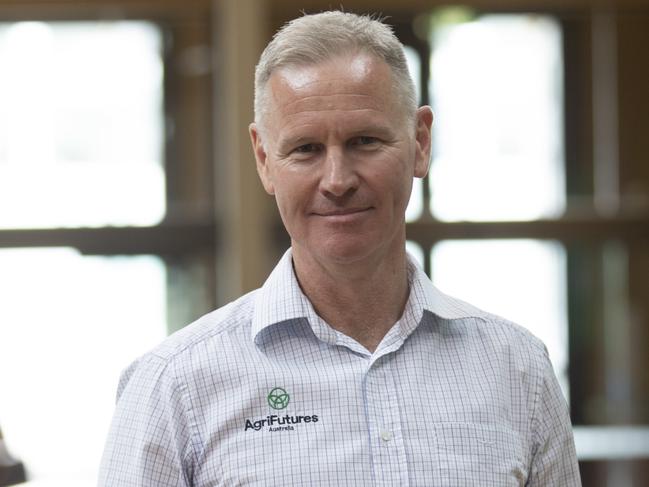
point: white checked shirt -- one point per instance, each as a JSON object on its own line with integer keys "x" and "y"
{"x": 264, "y": 392}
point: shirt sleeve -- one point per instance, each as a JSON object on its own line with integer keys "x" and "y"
{"x": 149, "y": 443}
{"x": 555, "y": 459}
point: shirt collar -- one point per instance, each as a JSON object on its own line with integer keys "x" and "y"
{"x": 281, "y": 299}
{"x": 425, "y": 296}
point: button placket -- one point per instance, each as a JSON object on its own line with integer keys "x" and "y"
{"x": 387, "y": 448}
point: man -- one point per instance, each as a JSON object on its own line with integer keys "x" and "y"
{"x": 347, "y": 367}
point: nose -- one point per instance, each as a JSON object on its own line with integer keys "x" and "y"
{"x": 339, "y": 177}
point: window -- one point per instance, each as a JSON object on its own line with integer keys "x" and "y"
{"x": 510, "y": 170}
{"x": 81, "y": 125}
{"x": 498, "y": 156}
{"x": 498, "y": 151}
{"x": 520, "y": 279}
{"x": 523, "y": 212}
{"x": 104, "y": 243}
{"x": 70, "y": 325}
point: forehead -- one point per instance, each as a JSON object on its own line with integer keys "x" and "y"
{"x": 355, "y": 82}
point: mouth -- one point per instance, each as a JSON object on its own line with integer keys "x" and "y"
{"x": 341, "y": 211}
{"x": 343, "y": 214}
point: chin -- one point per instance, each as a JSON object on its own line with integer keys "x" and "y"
{"x": 345, "y": 247}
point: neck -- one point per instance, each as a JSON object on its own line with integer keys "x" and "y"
{"x": 363, "y": 299}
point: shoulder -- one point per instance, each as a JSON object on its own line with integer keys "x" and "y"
{"x": 518, "y": 348}
{"x": 502, "y": 330}
{"x": 485, "y": 332}
{"x": 234, "y": 317}
{"x": 222, "y": 328}
{"x": 466, "y": 324}
{"x": 469, "y": 319}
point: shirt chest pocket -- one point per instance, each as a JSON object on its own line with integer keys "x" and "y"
{"x": 479, "y": 454}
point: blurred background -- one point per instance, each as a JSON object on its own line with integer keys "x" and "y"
{"x": 130, "y": 205}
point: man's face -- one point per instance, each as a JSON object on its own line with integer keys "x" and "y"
{"x": 339, "y": 154}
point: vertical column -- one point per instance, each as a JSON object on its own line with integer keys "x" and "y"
{"x": 242, "y": 207}
{"x": 605, "y": 113}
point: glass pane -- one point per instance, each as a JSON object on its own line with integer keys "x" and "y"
{"x": 81, "y": 130}
{"x": 521, "y": 280}
{"x": 612, "y": 442}
{"x": 414, "y": 67}
{"x": 415, "y": 250}
{"x": 69, "y": 325}
{"x": 416, "y": 203}
{"x": 496, "y": 86}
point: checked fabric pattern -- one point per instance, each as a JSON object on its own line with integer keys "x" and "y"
{"x": 264, "y": 392}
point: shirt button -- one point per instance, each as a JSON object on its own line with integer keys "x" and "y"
{"x": 386, "y": 435}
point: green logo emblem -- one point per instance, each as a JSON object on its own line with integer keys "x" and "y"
{"x": 278, "y": 398}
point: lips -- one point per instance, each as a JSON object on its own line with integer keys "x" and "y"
{"x": 340, "y": 212}
{"x": 343, "y": 216}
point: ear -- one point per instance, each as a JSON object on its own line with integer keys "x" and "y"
{"x": 262, "y": 159}
{"x": 422, "y": 140}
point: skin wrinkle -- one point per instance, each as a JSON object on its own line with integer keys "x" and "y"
{"x": 298, "y": 111}
{"x": 300, "y": 79}
{"x": 296, "y": 117}
{"x": 290, "y": 142}
{"x": 333, "y": 93}
{"x": 305, "y": 100}
{"x": 406, "y": 115}
{"x": 358, "y": 97}
{"x": 329, "y": 109}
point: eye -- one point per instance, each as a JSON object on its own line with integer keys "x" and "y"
{"x": 364, "y": 141}
{"x": 306, "y": 149}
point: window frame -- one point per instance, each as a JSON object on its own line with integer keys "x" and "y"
{"x": 186, "y": 238}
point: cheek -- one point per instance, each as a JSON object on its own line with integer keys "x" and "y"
{"x": 397, "y": 183}
{"x": 281, "y": 200}
{"x": 407, "y": 190}
{"x": 288, "y": 197}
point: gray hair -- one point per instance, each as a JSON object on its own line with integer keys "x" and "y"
{"x": 320, "y": 37}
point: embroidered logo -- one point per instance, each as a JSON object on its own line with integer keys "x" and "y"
{"x": 278, "y": 398}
